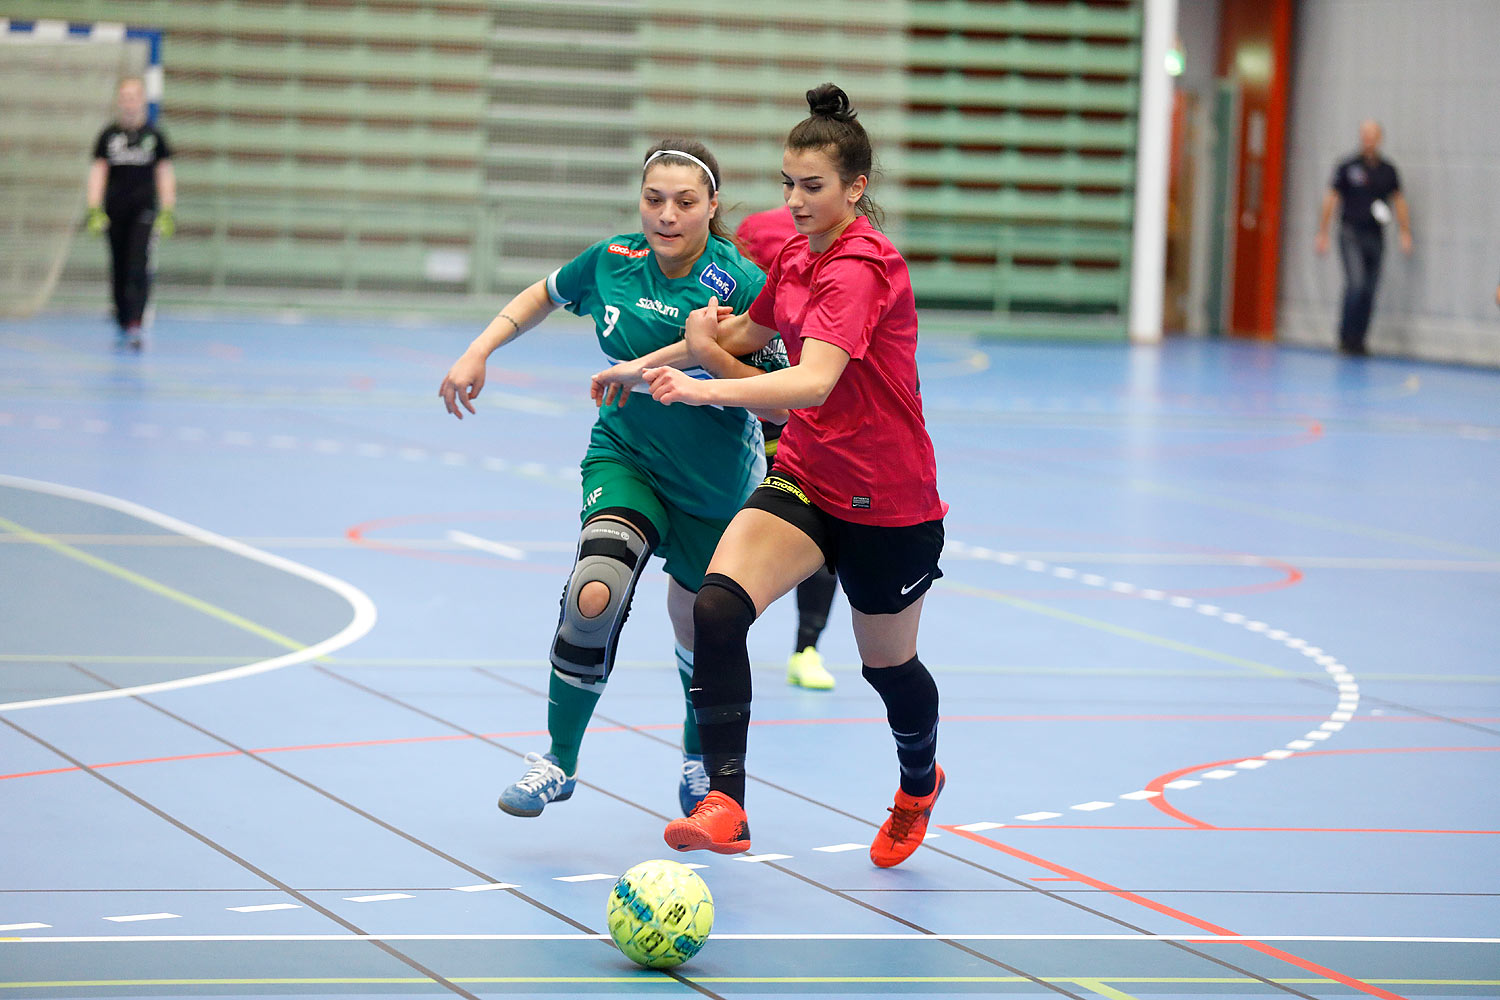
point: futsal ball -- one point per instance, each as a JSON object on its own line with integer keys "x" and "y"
{"x": 660, "y": 913}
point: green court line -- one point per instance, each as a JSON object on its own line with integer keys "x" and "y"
{"x": 153, "y": 586}
{"x": 123, "y": 659}
{"x": 947, "y": 668}
{"x": 1311, "y": 520}
{"x": 1102, "y": 626}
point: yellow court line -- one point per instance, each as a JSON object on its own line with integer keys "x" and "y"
{"x": 1127, "y": 633}
{"x": 154, "y": 586}
{"x": 1109, "y": 992}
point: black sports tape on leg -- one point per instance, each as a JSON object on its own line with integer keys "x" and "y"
{"x": 911, "y": 706}
{"x": 722, "y": 615}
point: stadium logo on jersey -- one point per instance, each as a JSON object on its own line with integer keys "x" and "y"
{"x": 657, "y": 306}
{"x": 625, "y": 251}
{"x": 717, "y": 279}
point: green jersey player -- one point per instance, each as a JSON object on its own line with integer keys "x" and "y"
{"x": 657, "y": 480}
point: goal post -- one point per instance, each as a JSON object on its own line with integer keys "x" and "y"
{"x": 57, "y": 88}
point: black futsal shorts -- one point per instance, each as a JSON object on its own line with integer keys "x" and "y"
{"x": 883, "y": 570}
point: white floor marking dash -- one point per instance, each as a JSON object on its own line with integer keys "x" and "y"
{"x": 485, "y": 887}
{"x": 131, "y": 918}
{"x": 594, "y": 877}
{"x": 1140, "y": 795}
{"x": 837, "y": 848}
{"x": 752, "y": 859}
{"x": 23, "y": 927}
{"x": 1033, "y": 817}
{"x": 485, "y": 545}
{"x": 379, "y": 897}
{"x": 1182, "y": 783}
{"x": 1218, "y": 774}
{"x": 1092, "y": 806}
{"x": 264, "y": 907}
{"x": 979, "y": 827}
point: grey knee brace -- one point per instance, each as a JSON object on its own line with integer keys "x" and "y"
{"x": 612, "y": 553}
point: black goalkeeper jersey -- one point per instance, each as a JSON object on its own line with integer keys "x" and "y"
{"x": 132, "y": 155}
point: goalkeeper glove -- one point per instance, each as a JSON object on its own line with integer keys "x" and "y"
{"x": 166, "y": 223}
{"x": 97, "y": 222}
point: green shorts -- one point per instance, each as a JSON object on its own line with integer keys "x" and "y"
{"x": 687, "y": 542}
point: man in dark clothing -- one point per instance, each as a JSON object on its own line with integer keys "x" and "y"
{"x": 132, "y": 192}
{"x": 1368, "y": 189}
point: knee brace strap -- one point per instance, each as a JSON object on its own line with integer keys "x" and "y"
{"x": 614, "y": 554}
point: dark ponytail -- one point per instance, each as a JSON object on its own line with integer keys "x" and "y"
{"x": 716, "y": 226}
{"x": 833, "y": 126}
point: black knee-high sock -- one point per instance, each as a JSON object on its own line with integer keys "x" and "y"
{"x": 911, "y": 705}
{"x": 814, "y": 598}
{"x": 722, "y": 616}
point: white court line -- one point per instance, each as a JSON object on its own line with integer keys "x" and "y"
{"x": 359, "y": 625}
{"x": 362, "y": 938}
{"x": 485, "y": 545}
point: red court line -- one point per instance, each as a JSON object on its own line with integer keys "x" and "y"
{"x": 1176, "y": 914}
{"x": 873, "y": 720}
{"x": 1239, "y": 829}
{"x": 357, "y": 534}
{"x": 1157, "y": 784}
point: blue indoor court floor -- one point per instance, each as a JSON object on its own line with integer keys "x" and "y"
{"x": 1217, "y": 645}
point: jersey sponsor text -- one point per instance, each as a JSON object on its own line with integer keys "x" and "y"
{"x": 718, "y": 279}
{"x": 657, "y": 306}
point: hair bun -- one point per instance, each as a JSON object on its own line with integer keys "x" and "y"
{"x": 829, "y": 101}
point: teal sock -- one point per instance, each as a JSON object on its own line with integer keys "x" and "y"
{"x": 570, "y": 706}
{"x": 690, "y": 741}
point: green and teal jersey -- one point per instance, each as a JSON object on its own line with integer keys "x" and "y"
{"x": 703, "y": 460}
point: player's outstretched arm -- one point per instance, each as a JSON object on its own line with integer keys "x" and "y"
{"x": 612, "y": 383}
{"x": 736, "y": 335}
{"x": 806, "y": 383}
{"x": 465, "y": 379}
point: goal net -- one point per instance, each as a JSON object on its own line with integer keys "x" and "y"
{"x": 57, "y": 87}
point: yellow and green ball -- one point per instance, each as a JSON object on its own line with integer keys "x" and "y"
{"x": 660, "y": 913}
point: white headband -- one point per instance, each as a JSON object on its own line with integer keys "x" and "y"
{"x": 713, "y": 182}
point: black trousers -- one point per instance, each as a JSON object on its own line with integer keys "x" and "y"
{"x": 1360, "y": 250}
{"x": 130, "y": 245}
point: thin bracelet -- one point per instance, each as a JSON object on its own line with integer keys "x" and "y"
{"x": 510, "y": 321}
